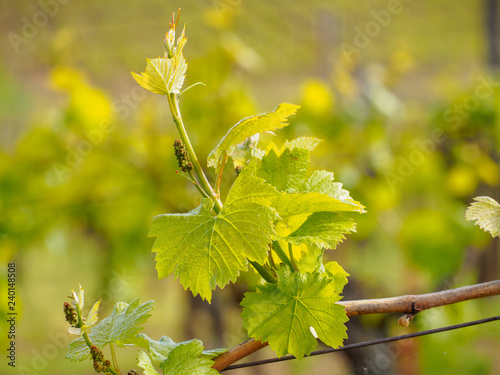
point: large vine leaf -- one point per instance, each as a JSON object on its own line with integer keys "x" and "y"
{"x": 206, "y": 250}
{"x": 486, "y": 212}
{"x": 247, "y": 128}
{"x": 293, "y": 312}
{"x": 186, "y": 359}
{"x": 323, "y": 229}
{"x": 121, "y": 327}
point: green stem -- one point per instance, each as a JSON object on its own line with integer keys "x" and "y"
{"x": 173, "y": 102}
{"x": 87, "y": 339}
{"x": 113, "y": 358}
{"x": 197, "y": 185}
{"x": 264, "y": 272}
{"x": 281, "y": 253}
{"x": 79, "y": 316}
{"x": 292, "y": 259}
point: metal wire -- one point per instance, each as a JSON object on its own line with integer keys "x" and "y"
{"x": 366, "y": 343}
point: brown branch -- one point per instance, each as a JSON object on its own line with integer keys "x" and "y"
{"x": 413, "y": 304}
{"x": 410, "y": 304}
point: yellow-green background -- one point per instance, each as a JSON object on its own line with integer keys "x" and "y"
{"x": 88, "y": 223}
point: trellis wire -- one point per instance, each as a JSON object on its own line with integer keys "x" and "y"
{"x": 367, "y": 343}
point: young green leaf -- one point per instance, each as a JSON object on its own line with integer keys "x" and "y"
{"x": 77, "y": 331}
{"x": 92, "y": 317}
{"x": 312, "y": 261}
{"x": 334, "y": 271}
{"x": 323, "y": 182}
{"x": 287, "y": 313}
{"x": 172, "y": 50}
{"x": 307, "y": 143}
{"x": 145, "y": 363}
{"x": 286, "y": 170}
{"x": 206, "y": 251}
{"x": 212, "y": 353}
{"x": 165, "y": 75}
{"x": 119, "y": 328}
{"x": 246, "y": 151}
{"x": 78, "y": 299}
{"x": 158, "y": 349}
{"x": 248, "y": 127}
{"x": 186, "y": 359}
{"x": 308, "y": 205}
{"x": 301, "y": 203}
{"x": 162, "y": 75}
{"x": 323, "y": 229}
{"x": 486, "y": 212}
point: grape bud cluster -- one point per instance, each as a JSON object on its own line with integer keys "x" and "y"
{"x": 182, "y": 156}
{"x": 70, "y": 313}
{"x": 100, "y": 365}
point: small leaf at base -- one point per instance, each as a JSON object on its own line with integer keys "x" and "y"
{"x": 486, "y": 212}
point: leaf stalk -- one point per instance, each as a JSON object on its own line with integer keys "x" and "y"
{"x": 264, "y": 272}
{"x": 292, "y": 259}
{"x": 113, "y": 358}
{"x": 281, "y": 253}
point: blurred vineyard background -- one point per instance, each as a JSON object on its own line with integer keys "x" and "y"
{"x": 410, "y": 117}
